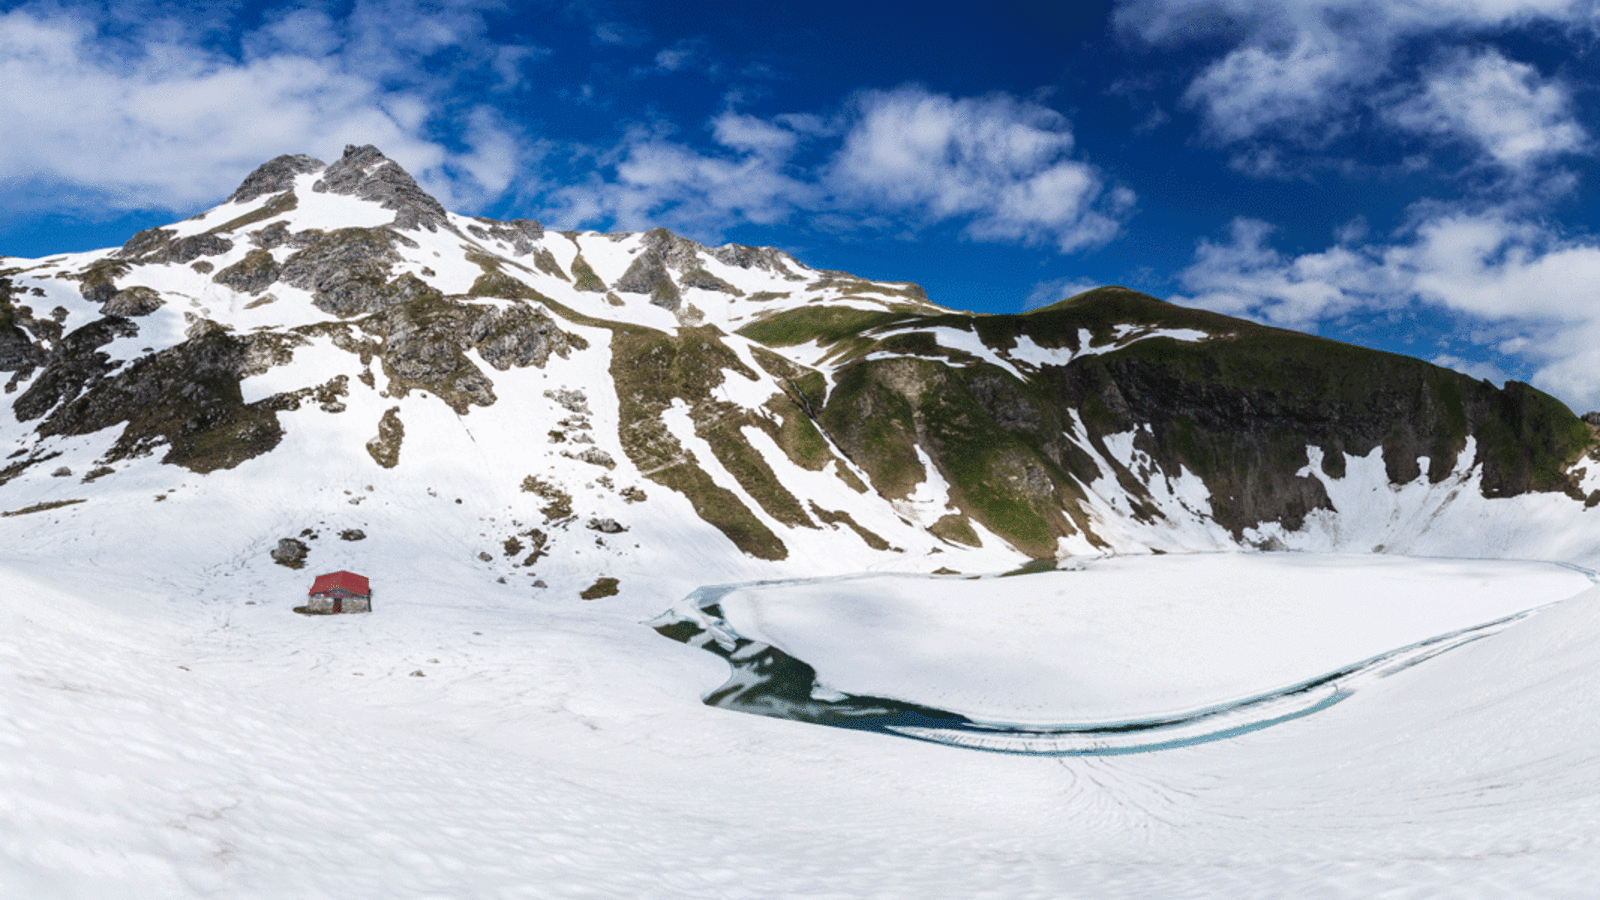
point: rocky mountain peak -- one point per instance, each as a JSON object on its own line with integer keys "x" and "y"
{"x": 275, "y": 175}
{"x": 366, "y": 173}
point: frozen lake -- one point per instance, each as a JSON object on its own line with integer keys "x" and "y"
{"x": 1117, "y": 654}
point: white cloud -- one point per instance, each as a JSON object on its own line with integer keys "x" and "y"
{"x": 657, "y": 181}
{"x": 153, "y": 122}
{"x": 1255, "y": 89}
{"x": 1001, "y": 167}
{"x": 1505, "y": 108}
{"x": 1297, "y": 68}
{"x": 1508, "y": 275}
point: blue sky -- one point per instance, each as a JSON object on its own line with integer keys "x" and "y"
{"x": 1414, "y": 175}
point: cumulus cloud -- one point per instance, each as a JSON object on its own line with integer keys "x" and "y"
{"x": 652, "y": 179}
{"x": 1515, "y": 117}
{"x": 1003, "y": 165}
{"x": 1298, "y": 87}
{"x": 1298, "y": 69}
{"x": 1001, "y": 168}
{"x": 158, "y": 121}
{"x": 1493, "y": 270}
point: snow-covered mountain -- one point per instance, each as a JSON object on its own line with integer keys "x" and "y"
{"x": 583, "y": 406}
{"x": 535, "y": 442}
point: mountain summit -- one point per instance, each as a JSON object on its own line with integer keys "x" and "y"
{"x": 330, "y": 351}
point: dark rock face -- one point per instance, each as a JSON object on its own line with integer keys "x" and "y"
{"x": 767, "y": 259}
{"x": 72, "y": 364}
{"x": 186, "y": 396}
{"x": 423, "y": 338}
{"x": 17, "y": 352}
{"x": 132, "y": 302}
{"x": 366, "y": 173}
{"x": 275, "y": 175}
{"x": 97, "y": 283}
{"x": 517, "y": 336}
{"x": 271, "y": 236}
{"x": 648, "y": 273}
{"x": 157, "y": 245}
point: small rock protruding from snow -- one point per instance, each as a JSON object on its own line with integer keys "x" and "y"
{"x": 290, "y": 552}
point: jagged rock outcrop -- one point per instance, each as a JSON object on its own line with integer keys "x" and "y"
{"x": 346, "y": 271}
{"x": 132, "y": 302}
{"x": 665, "y": 253}
{"x": 519, "y": 233}
{"x": 366, "y": 173}
{"x": 186, "y": 397}
{"x": 518, "y": 336}
{"x": 74, "y": 363}
{"x": 146, "y": 242}
{"x": 769, "y": 259}
{"x": 251, "y": 275}
{"x": 189, "y": 249}
{"x": 274, "y": 176}
{"x": 17, "y": 351}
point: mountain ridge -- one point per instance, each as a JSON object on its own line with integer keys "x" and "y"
{"x": 797, "y": 417}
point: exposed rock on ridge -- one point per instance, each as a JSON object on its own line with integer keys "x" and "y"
{"x": 366, "y": 173}
{"x": 274, "y": 176}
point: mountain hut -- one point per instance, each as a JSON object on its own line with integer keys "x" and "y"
{"x": 340, "y": 592}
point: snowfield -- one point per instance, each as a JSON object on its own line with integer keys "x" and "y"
{"x": 177, "y": 734}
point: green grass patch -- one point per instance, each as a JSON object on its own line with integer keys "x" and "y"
{"x": 825, "y": 324}
{"x": 584, "y": 278}
{"x": 840, "y": 517}
{"x": 602, "y": 587}
{"x": 955, "y": 529}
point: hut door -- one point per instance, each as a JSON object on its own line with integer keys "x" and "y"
{"x": 338, "y": 604}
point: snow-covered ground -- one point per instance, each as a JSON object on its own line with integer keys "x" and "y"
{"x": 173, "y": 734}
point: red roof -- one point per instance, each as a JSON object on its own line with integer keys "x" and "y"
{"x": 349, "y": 582}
